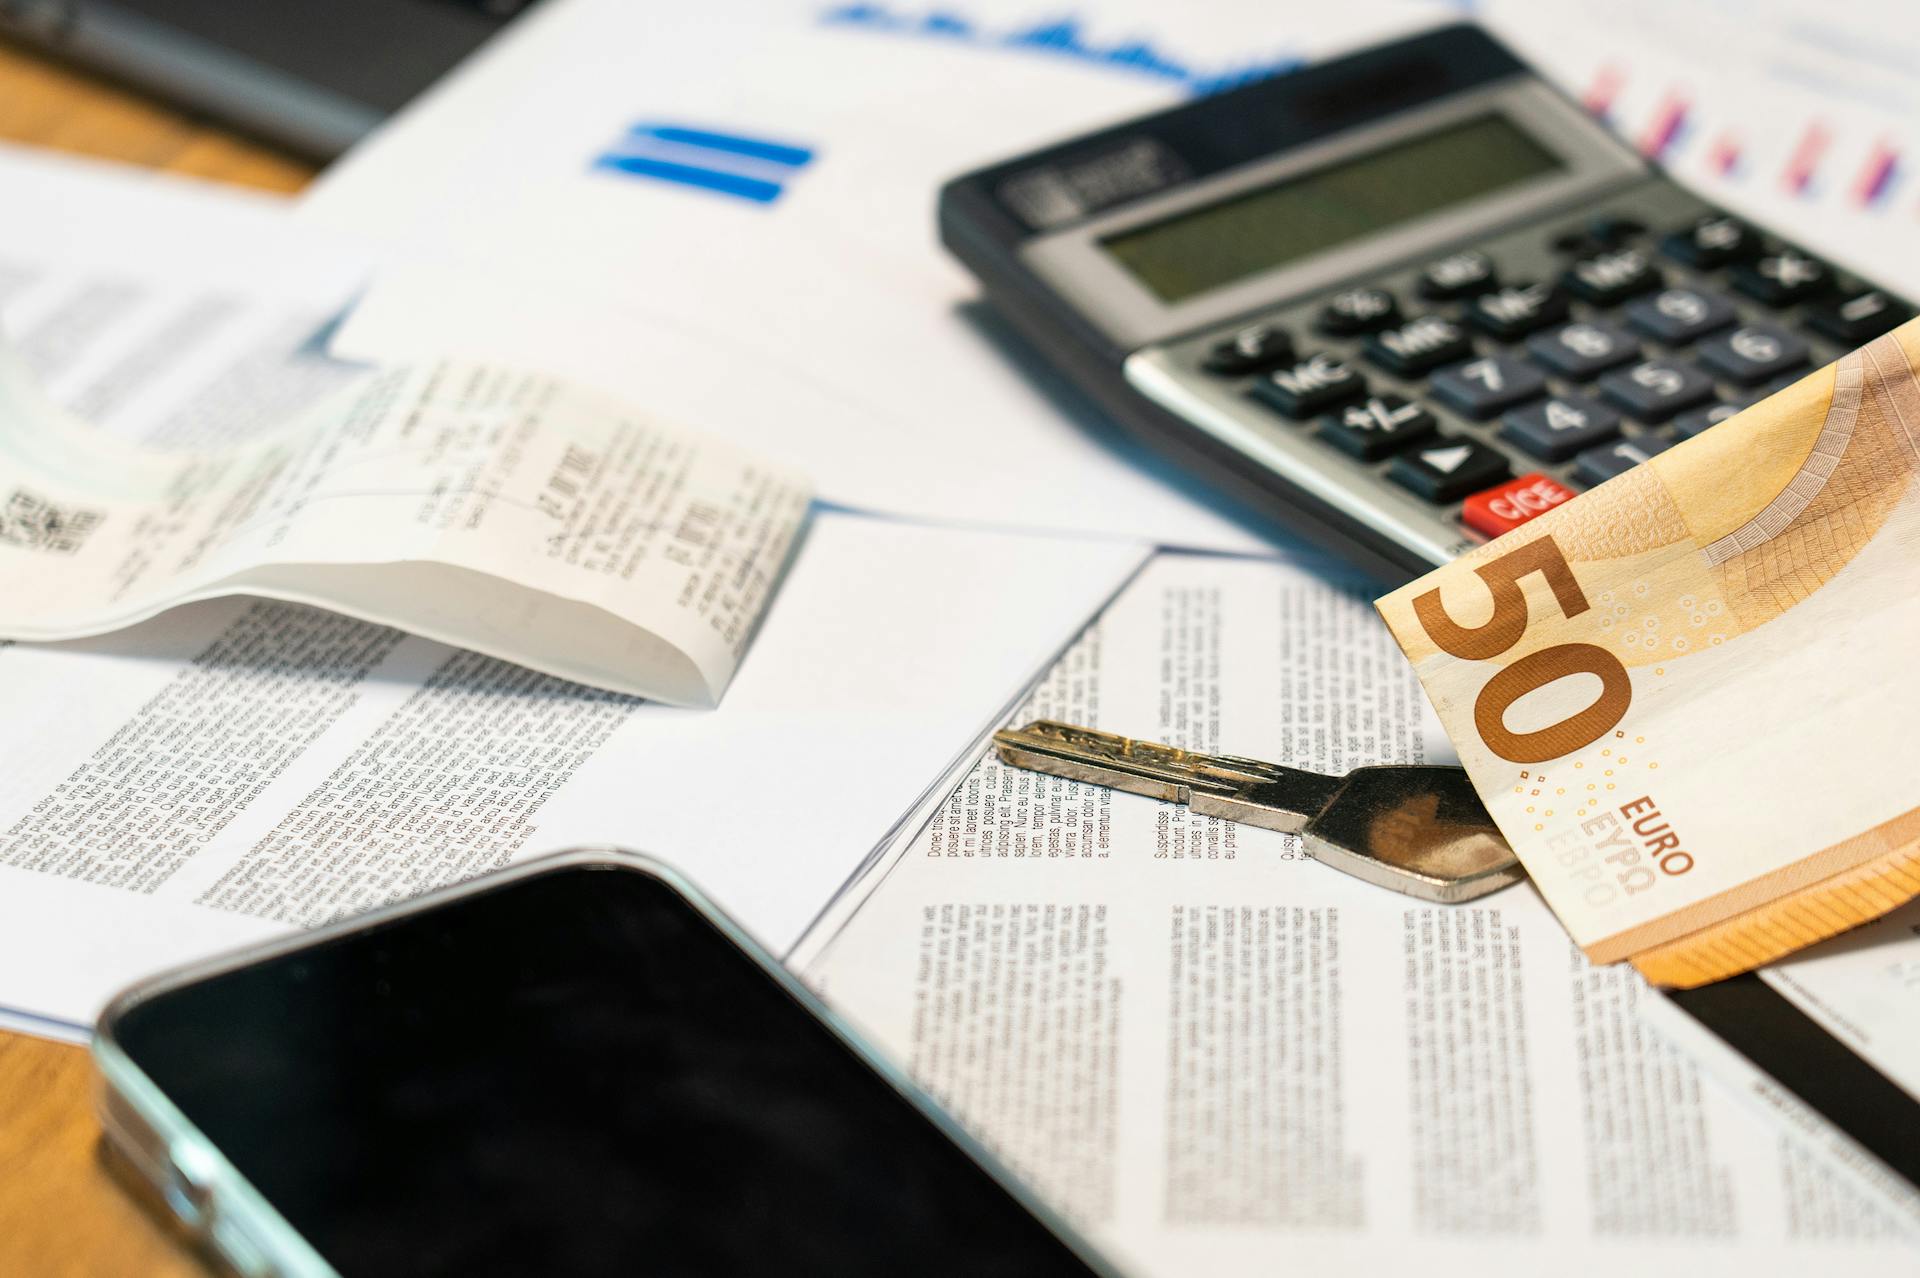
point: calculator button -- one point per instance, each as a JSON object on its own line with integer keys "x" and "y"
{"x": 1612, "y": 228}
{"x": 1505, "y": 507}
{"x": 1555, "y": 429}
{"x": 1677, "y": 316}
{"x": 1309, "y": 386}
{"x": 1482, "y": 387}
{"x": 1448, "y": 469}
{"x": 1857, "y": 318}
{"x": 1609, "y": 278}
{"x": 1418, "y": 346}
{"x": 1253, "y": 348}
{"x": 1358, "y": 310}
{"x": 1518, "y": 309}
{"x": 1783, "y": 278}
{"x": 1656, "y": 389}
{"x": 1713, "y": 240}
{"x": 1695, "y": 420}
{"x": 1376, "y": 426}
{"x": 1752, "y": 353}
{"x": 1599, "y": 465}
{"x": 1583, "y": 349}
{"x": 1458, "y": 275}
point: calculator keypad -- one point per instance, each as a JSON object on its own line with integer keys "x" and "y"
{"x": 1565, "y": 354}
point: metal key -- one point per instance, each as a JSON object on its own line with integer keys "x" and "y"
{"x": 1418, "y": 830}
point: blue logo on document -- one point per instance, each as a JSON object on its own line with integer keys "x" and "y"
{"x": 753, "y": 169}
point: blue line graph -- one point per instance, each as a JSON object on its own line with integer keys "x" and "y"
{"x": 753, "y": 169}
{"x": 1064, "y": 36}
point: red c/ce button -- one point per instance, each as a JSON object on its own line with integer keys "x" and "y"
{"x": 1506, "y": 506}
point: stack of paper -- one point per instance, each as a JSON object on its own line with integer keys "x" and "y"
{"x": 233, "y": 768}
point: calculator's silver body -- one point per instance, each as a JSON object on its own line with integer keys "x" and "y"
{"x": 1143, "y": 359}
{"x": 1168, "y": 344}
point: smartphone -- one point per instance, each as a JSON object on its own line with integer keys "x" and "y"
{"x": 575, "y": 1066}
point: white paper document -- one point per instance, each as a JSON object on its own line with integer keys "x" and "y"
{"x": 735, "y": 212}
{"x": 234, "y": 768}
{"x": 172, "y": 312}
{"x": 504, "y": 511}
{"x": 1220, "y": 1057}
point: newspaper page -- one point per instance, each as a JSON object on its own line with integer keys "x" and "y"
{"x": 1220, "y": 1057}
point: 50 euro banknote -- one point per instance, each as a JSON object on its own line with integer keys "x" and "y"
{"x": 1691, "y": 696}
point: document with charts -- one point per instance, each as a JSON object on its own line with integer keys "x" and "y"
{"x": 757, "y": 246}
{"x": 1220, "y": 1057}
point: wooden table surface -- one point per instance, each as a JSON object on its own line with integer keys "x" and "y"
{"x": 61, "y": 1211}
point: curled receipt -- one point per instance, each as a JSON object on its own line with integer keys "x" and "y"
{"x": 504, "y": 511}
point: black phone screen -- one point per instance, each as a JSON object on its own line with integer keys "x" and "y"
{"x": 575, "y": 1072}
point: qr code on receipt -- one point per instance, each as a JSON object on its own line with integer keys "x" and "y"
{"x": 34, "y": 523}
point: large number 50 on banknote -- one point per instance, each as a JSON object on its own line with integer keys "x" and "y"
{"x": 1691, "y": 697}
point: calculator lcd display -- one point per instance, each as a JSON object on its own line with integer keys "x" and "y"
{"x": 1205, "y": 248}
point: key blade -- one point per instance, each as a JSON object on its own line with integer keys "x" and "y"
{"x": 1285, "y": 804}
{"x": 1247, "y": 791}
{"x": 1105, "y": 758}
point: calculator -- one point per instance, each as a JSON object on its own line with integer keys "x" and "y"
{"x": 1400, "y": 302}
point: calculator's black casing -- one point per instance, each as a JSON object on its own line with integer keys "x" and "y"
{"x": 988, "y": 220}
